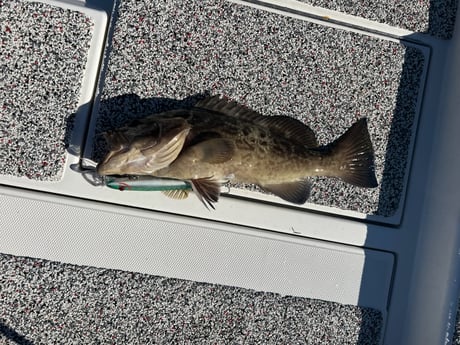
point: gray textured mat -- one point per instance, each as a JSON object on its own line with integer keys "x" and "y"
{"x": 45, "y": 302}
{"x": 164, "y": 52}
{"x": 42, "y": 61}
{"x": 435, "y": 17}
{"x": 456, "y": 335}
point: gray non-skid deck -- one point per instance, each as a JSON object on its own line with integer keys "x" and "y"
{"x": 456, "y": 335}
{"x": 161, "y": 53}
{"x": 45, "y": 302}
{"x": 42, "y": 62}
{"x": 434, "y": 17}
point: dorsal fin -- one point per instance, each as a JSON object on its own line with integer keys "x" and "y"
{"x": 227, "y": 107}
{"x": 289, "y": 126}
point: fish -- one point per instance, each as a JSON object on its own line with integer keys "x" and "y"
{"x": 177, "y": 189}
{"x": 226, "y": 141}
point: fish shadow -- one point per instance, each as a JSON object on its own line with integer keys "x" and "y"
{"x": 398, "y": 155}
{"x": 13, "y": 336}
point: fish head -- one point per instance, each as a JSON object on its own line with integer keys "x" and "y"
{"x": 141, "y": 152}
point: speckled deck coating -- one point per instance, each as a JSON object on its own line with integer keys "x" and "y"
{"x": 46, "y": 302}
{"x": 434, "y": 17}
{"x": 42, "y": 60}
{"x": 163, "y": 52}
{"x": 456, "y": 327}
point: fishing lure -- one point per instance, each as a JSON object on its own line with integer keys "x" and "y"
{"x": 177, "y": 189}
{"x": 173, "y": 188}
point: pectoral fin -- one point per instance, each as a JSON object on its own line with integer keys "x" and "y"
{"x": 214, "y": 151}
{"x": 296, "y": 192}
{"x": 207, "y": 189}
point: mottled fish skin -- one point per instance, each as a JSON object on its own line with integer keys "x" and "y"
{"x": 225, "y": 141}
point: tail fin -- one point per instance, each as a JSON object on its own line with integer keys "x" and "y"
{"x": 354, "y": 152}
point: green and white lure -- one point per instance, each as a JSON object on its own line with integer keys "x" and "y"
{"x": 146, "y": 183}
{"x": 173, "y": 188}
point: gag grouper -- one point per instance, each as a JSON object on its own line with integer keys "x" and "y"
{"x": 219, "y": 140}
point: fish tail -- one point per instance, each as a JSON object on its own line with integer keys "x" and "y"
{"x": 354, "y": 155}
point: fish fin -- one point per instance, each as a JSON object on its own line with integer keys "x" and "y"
{"x": 161, "y": 158}
{"x": 227, "y": 107}
{"x": 178, "y": 194}
{"x": 207, "y": 189}
{"x": 214, "y": 151}
{"x": 356, "y": 156}
{"x": 289, "y": 126}
{"x": 296, "y": 192}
